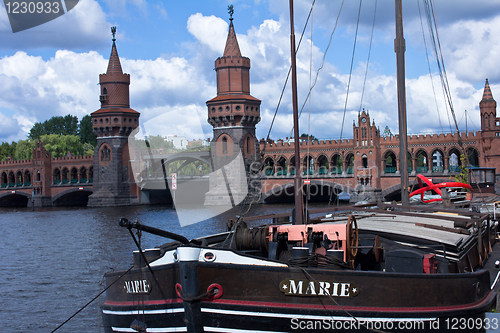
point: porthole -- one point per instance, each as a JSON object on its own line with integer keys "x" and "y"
{"x": 115, "y": 120}
{"x": 238, "y": 108}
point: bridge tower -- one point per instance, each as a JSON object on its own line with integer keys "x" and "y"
{"x": 367, "y": 159}
{"x": 233, "y": 113}
{"x": 112, "y": 124}
{"x": 488, "y": 109}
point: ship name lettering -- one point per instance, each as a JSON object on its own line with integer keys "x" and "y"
{"x": 294, "y": 287}
{"x": 137, "y": 287}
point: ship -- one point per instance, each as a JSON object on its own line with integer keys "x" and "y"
{"x": 382, "y": 267}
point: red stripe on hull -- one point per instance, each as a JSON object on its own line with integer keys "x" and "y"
{"x": 480, "y": 303}
{"x": 157, "y": 302}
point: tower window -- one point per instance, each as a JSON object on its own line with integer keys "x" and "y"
{"x": 224, "y": 145}
{"x": 248, "y": 145}
{"x": 105, "y": 154}
{"x": 104, "y": 91}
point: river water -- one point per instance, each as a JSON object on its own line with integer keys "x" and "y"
{"x": 53, "y": 259}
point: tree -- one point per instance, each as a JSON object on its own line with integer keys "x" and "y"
{"x": 85, "y": 131}
{"x": 7, "y": 150}
{"x": 67, "y": 125}
{"x": 305, "y": 136}
{"x": 24, "y": 150}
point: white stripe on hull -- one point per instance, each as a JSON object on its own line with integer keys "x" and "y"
{"x": 137, "y": 312}
{"x": 312, "y": 317}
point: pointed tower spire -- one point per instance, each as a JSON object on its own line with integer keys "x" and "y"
{"x": 488, "y": 109}
{"x": 114, "y": 65}
{"x": 487, "y": 91}
{"x": 232, "y": 48}
{"x": 114, "y": 84}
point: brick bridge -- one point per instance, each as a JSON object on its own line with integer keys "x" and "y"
{"x": 371, "y": 161}
{"x": 45, "y": 180}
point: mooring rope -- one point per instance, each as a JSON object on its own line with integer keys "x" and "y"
{"x": 93, "y": 299}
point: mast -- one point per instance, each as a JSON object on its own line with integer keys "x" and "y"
{"x": 399, "y": 48}
{"x": 299, "y": 210}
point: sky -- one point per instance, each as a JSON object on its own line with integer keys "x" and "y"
{"x": 169, "y": 49}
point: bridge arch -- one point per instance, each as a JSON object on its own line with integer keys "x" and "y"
{"x": 17, "y": 199}
{"x": 320, "y": 190}
{"x": 394, "y": 192}
{"x": 74, "y": 196}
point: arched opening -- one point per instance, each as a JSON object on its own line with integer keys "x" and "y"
{"x": 473, "y": 157}
{"x": 65, "y": 176}
{"x": 224, "y": 145}
{"x": 105, "y": 153}
{"x": 248, "y": 145}
{"x": 104, "y": 91}
{"x": 12, "y": 179}
{"x": 269, "y": 166}
{"x": 337, "y": 164}
{"x": 323, "y": 165}
{"x": 292, "y": 166}
{"x": 3, "y": 180}
{"x": 83, "y": 175}
{"x": 308, "y": 165}
{"x": 349, "y": 164}
{"x": 281, "y": 167}
{"x": 91, "y": 174}
{"x": 56, "y": 175}
{"x": 74, "y": 175}
{"x": 19, "y": 178}
{"x": 390, "y": 162}
{"x": 27, "y": 178}
{"x": 364, "y": 161}
{"x": 454, "y": 160}
{"x": 422, "y": 160}
{"x": 38, "y": 176}
{"x": 437, "y": 161}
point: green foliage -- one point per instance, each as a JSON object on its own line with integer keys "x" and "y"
{"x": 191, "y": 169}
{"x": 88, "y": 149}
{"x": 24, "y": 150}
{"x": 56, "y": 145}
{"x": 67, "y": 125}
{"x": 85, "y": 131}
{"x": 311, "y": 137}
{"x": 7, "y": 150}
{"x": 463, "y": 176}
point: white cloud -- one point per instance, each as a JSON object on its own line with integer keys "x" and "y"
{"x": 80, "y": 28}
{"x": 34, "y": 89}
{"x": 209, "y": 30}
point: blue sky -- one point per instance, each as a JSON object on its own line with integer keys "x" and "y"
{"x": 169, "y": 48}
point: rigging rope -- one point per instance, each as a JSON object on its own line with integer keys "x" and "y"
{"x": 350, "y": 72}
{"x": 369, "y": 53}
{"x": 429, "y": 66}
